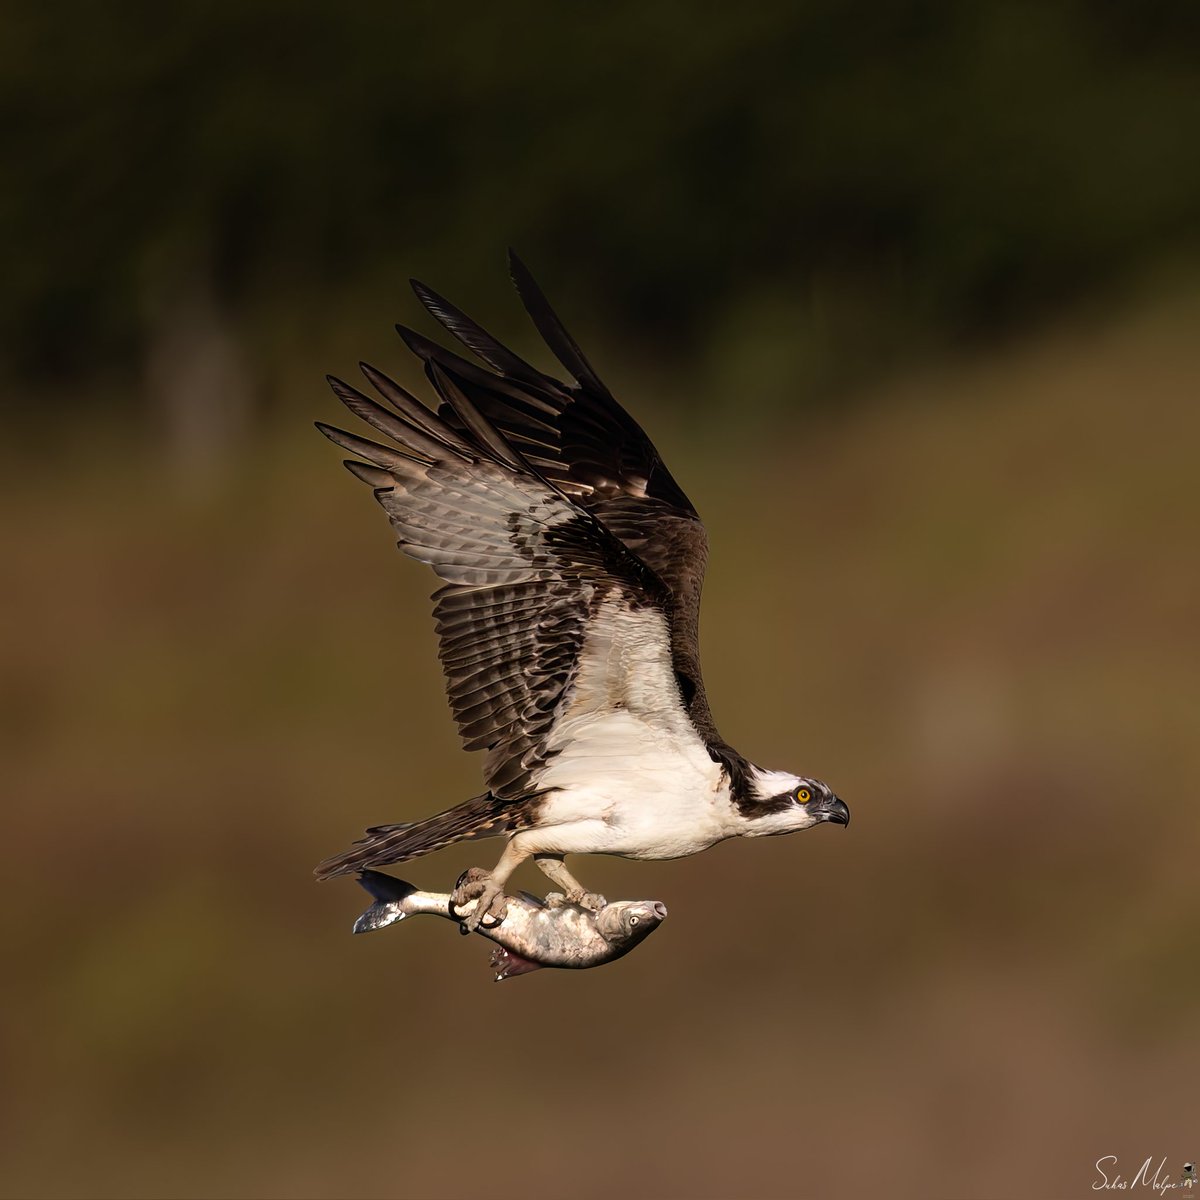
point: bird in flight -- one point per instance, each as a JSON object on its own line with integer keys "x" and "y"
{"x": 572, "y": 564}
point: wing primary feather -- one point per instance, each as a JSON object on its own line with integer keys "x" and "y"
{"x": 370, "y": 475}
{"x": 551, "y": 328}
{"x": 473, "y": 419}
{"x": 413, "y": 411}
{"x": 426, "y": 349}
{"x": 381, "y": 456}
{"x": 387, "y": 423}
{"x": 474, "y": 336}
{"x": 512, "y": 614}
{"x": 430, "y": 351}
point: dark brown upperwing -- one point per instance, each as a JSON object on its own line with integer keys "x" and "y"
{"x": 524, "y": 569}
{"x": 583, "y": 442}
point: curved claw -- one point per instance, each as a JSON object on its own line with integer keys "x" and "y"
{"x": 491, "y": 904}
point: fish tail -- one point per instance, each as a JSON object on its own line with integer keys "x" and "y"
{"x": 480, "y": 817}
{"x": 386, "y": 890}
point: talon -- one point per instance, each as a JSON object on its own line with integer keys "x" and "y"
{"x": 477, "y": 886}
{"x": 497, "y": 908}
{"x": 469, "y": 885}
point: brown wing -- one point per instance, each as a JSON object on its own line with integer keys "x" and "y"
{"x": 584, "y": 443}
{"x": 524, "y": 565}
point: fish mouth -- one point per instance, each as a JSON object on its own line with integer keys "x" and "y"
{"x": 645, "y": 915}
{"x": 651, "y": 911}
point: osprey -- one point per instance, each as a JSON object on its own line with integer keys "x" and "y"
{"x": 568, "y": 621}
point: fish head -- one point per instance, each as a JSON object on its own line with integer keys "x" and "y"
{"x": 626, "y": 922}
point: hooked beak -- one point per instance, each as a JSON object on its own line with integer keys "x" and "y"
{"x": 830, "y": 809}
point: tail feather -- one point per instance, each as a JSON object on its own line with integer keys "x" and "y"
{"x": 480, "y": 817}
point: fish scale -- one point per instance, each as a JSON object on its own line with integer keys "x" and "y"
{"x": 532, "y": 934}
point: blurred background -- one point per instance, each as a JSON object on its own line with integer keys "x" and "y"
{"x": 907, "y": 294}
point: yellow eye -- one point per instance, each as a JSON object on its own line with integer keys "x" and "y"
{"x": 804, "y": 795}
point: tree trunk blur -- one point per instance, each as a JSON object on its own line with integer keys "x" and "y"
{"x": 197, "y": 385}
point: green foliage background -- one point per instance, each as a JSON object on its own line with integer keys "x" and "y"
{"x": 887, "y": 174}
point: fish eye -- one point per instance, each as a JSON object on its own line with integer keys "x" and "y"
{"x": 633, "y": 920}
{"x": 803, "y": 795}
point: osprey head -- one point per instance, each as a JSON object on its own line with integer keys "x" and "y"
{"x": 783, "y": 803}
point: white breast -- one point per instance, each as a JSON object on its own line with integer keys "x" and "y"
{"x": 629, "y": 775}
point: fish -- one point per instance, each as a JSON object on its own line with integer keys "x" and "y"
{"x": 532, "y": 934}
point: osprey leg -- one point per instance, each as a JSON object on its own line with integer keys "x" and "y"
{"x": 486, "y": 888}
{"x": 573, "y": 892}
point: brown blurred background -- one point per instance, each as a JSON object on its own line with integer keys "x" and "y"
{"x": 909, "y": 298}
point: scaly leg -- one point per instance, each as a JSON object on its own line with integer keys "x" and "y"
{"x": 572, "y": 890}
{"x": 486, "y": 888}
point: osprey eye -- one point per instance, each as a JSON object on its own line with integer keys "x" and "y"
{"x": 804, "y": 795}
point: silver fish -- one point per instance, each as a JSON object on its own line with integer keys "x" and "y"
{"x": 532, "y": 934}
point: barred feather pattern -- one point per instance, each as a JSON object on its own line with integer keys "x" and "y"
{"x": 536, "y": 502}
{"x": 523, "y": 566}
{"x": 481, "y": 817}
{"x": 586, "y": 445}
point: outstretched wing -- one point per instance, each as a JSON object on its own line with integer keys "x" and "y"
{"x": 583, "y": 442}
{"x": 526, "y": 571}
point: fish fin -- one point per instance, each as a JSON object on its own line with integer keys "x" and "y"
{"x": 530, "y": 898}
{"x": 385, "y": 887}
{"x": 387, "y": 890}
{"x": 378, "y": 916}
{"x": 506, "y": 964}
